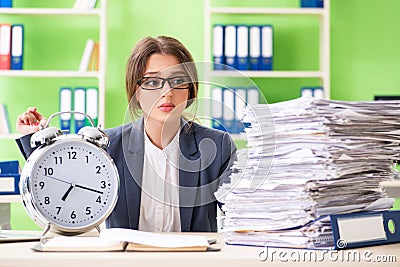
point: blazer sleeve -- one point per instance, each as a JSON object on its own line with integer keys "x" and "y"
{"x": 24, "y": 145}
{"x": 228, "y": 158}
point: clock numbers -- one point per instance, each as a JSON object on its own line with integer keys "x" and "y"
{"x": 48, "y": 171}
{"x": 88, "y": 210}
{"x": 73, "y": 215}
{"x": 72, "y": 155}
{"x": 98, "y": 169}
{"x": 47, "y": 200}
{"x": 87, "y": 159}
{"x": 41, "y": 184}
{"x": 58, "y": 160}
{"x": 103, "y": 184}
{"x": 58, "y": 210}
{"x": 98, "y": 200}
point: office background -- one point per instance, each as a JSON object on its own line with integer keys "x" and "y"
{"x": 364, "y": 53}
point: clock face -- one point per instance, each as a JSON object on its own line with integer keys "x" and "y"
{"x": 74, "y": 184}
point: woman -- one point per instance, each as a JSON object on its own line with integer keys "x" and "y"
{"x": 169, "y": 167}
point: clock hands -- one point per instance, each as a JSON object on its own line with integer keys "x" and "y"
{"x": 71, "y": 186}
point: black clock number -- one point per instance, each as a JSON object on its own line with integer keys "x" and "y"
{"x": 73, "y": 215}
{"x": 58, "y": 160}
{"x": 72, "y": 155}
{"x": 48, "y": 171}
{"x": 98, "y": 200}
{"x": 88, "y": 210}
{"x": 41, "y": 184}
{"x": 87, "y": 159}
{"x": 103, "y": 184}
{"x": 98, "y": 170}
{"x": 47, "y": 200}
{"x": 58, "y": 210}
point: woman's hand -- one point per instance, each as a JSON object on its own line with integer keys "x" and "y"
{"x": 29, "y": 121}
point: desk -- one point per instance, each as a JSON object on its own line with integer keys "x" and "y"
{"x": 19, "y": 254}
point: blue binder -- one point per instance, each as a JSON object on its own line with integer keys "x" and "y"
{"x": 312, "y": 3}
{"x": 240, "y": 105}
{"x": 228, "y": 109}
{"x": 17, "y": 46}
{"x": 255, "y": 47}
{"x": 267, "y": 50}
{"x": 242, "y": 35}
{"x": 365, "y": 229}
{"x": 9, "y": 184}
{"x": 5, "y": 3}
{"x": 230, "y": 46}
{"x": 11, "y": 166}
{"x": 217, "y": 120}
{"x": 65, "y": 105}
{"x": 218, "y": 47}
{"x": 79, "y": 105}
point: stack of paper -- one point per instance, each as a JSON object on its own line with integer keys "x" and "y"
{"x": 307, "y": 158}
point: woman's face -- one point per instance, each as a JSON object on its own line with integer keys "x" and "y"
{"x": 165, "y": 104}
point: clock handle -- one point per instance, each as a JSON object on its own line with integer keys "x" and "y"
{"x": 71, "y": 112}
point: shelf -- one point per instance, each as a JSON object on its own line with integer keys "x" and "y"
{"x": 391, "y": 184}
{"x": 50, "y": 73}
{"x": 50, "y": 11}
{"x": 267, "y": 11}
{"x": 10, "y": 198}
{"x": 268, "y": 74}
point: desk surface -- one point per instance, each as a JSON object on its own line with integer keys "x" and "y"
{"x": 20, "y": 254}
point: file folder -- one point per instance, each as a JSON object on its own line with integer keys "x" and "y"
{"x": 363, "y": 229}
{"x": 306, "y": 91}
{"x": 17, "y": 46}
{"x": 65, "y": 105}
{"x": 92, "y": 106}
{"x": 79, "y": 105}
{"x": 11, "y": 166}
{"x": 228, "y": 110}
{"x": 5, "y": 3}
{"x": 312, "y": 3}
{"x": 5, "y": 46}
{"x": 318, "y": 92}
{"x": 9, "y": 184}
{"x": 230, "y": 46}
{"x": 86, "y": 55}
{"x": 216, "y": 108}
{"x": 240, "y": 105}
{"x": 255, "y": 47}
{"x": 242, "y": 47}
{"x": 218, "y": 47}
{"x": 252, "y": 96}
{"x": 266, "y": 47}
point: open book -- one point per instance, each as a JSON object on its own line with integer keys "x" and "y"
{"x": 119, "y": 239}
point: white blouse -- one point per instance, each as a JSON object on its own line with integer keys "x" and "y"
{"x": 159, "y": 207}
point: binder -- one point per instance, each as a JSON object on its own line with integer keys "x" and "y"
{"x": 94, "y": 58}
{"x": 5, "y": 3}
{"x": 92, "y": 105}
{"x": 255, "y": 47}
{"x": 218, "y": 47}
{"x": 230, "y": 46}
{"x": 312, "y": 3}
{"x": 318, "y": 92}
{"x": 216, "y": 108}
{"x": 266, "y": 47}
{"x": 65, "y": 105}
{"x": 11, "y": 166}
{"x": 228, "y": 110}
{"x": 252, "y": 96}
{"x": 242, "y": 47}
{"x": 86, "y": 55}
{"x": 5, "y": 46}
{"x": 17, "y": 46}
{"x": 306, "y": 91}
{"x": 240, "y": 105}
{"x": 79, "y": 105}
{"x": 363, "y": 229}
{"x": 9, "y": 184}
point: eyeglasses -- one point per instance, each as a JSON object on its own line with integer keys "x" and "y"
{"x": 156, "y": 83}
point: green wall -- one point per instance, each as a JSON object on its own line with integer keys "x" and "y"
{"x": 364, "y": 51}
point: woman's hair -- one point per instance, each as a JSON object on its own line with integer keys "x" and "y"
{"x": 137, "y": 62}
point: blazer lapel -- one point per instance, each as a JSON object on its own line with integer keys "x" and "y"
{"x": 189, "y": 167}
{"x": 134, "y": 156}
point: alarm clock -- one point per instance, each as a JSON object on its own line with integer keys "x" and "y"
{"x": 69, "y": 184}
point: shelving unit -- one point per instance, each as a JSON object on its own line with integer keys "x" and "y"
{"x": 100, "y": 75}
{"x": 324, "y": 65}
